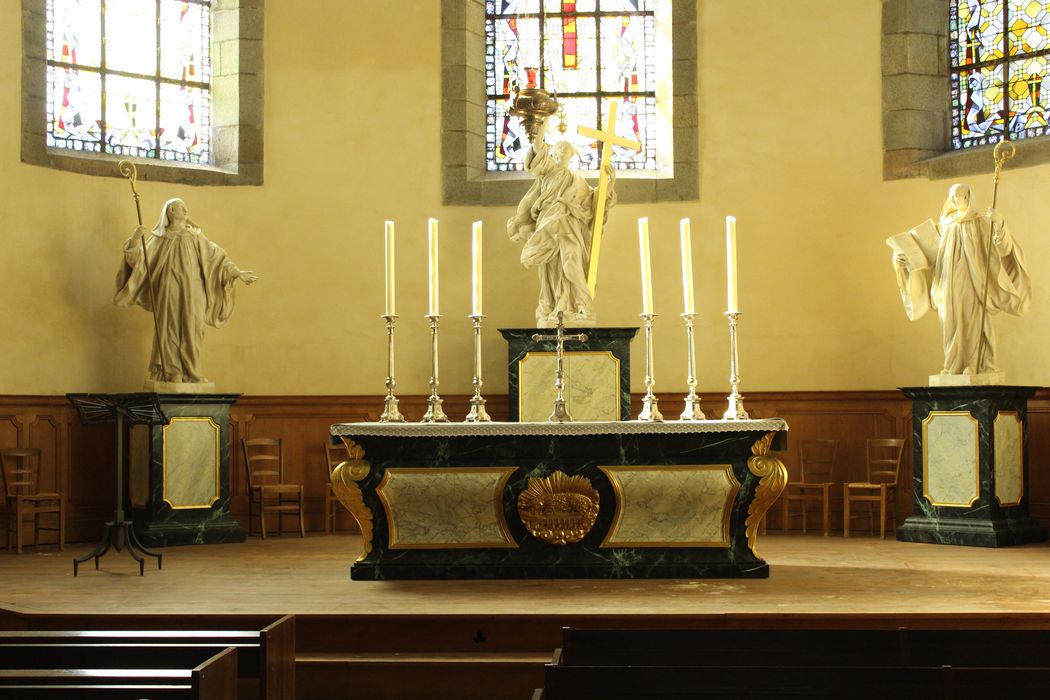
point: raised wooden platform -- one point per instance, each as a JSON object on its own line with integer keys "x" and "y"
{"x": 489, "y": 639}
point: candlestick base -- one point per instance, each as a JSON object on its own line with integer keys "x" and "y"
{"x": 692, "y": 409}
{"x": 391, "y": 414}
{"x": 477, "y": 413}
{"x": 736, "y": 409}
{"x": 434, "y": 414}
{"x": 560, "y": 413}
{"x": 650, "y": 413}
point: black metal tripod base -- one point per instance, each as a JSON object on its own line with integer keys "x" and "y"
{"x": 120, "y": 535}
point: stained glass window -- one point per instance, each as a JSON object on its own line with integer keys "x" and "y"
{"x": 584, "y": 52}
{"x": 1000, "y": 70}
{"x": 130, "y": 78}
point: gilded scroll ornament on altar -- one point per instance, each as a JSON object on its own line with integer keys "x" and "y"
{"x": 773, "y": 477}
{"x": 344, "y": 483}
{"x": 558, "y": 509}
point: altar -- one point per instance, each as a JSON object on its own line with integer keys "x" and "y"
{"x": 675, "y": 499}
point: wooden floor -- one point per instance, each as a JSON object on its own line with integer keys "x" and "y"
{"x": 808, "y": 575}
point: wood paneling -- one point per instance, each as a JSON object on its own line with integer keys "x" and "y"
{"x": 81, "y": 459}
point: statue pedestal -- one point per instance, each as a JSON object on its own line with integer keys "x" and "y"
{"x": 179, "y": 474}
{"x": 971, "y": 467}
{"x": 597, "y": 374}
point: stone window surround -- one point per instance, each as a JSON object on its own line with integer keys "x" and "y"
{"x": 464, "y": 178}
{"x": 916, "y": 99}
{"x": 237, "y": 104}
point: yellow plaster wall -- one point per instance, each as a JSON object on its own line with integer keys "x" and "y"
{"x": 790, "y": 144}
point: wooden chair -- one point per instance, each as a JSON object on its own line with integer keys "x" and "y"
{"x": 267, "y": 491}
{"x": 20, "y": 468}
{"x": 336, "y": 454}
{"x": 884, "y": 465}
{"x": 816, "y": 464}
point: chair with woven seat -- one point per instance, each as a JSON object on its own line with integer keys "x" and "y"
{"x": 267, "y": 490}
{"x": 335, "y": 454}
{"x": 884, "y": 466}
{"x": 816, "y": 465}
{"x": 21, "y": 469}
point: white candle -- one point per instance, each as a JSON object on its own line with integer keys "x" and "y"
{"x": 731, "y": 263}
{"x": 389, "y": 248}
{"x": 432, "y": 245}
{"x": 475, "y": 257}
{"x": 647, "y": 273}
{"x": 687, "y": 267}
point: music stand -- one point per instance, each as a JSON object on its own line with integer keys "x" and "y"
{"x": 143, "y": 408}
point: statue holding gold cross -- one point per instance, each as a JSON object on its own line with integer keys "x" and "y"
{"x": 560, "y": 220}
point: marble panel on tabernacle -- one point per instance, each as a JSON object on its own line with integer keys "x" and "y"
{"x": 950, "y": 458}
{"x": 592, "y": 385}
{"x": 445, "y": 508}
{"x": 191, "y": 462}
{"x": 1009, "y": 463}
{"x": 672, "y": 506}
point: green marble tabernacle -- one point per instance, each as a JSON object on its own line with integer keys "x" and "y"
{"x": 571, "y": 500}
{"x": 179, "y": 473}
{"x": 970, "y": 484}
{"x": 597, "y": 373}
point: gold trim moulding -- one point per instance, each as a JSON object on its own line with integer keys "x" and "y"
{"x": 727, "y": 508}
{"x": 497, "y": 502}
{"x": 1020, "y": 456}
{"x": 976, "y": 459}
{"x": 345, "y": 478}
{"x": 164, "y": 461}
{"x": 579, "y": 353}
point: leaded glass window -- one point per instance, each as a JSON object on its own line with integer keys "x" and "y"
{"x": 1000, "y": 70}
{"x": 584, "y": 52}
{"x": 130, "y": 78}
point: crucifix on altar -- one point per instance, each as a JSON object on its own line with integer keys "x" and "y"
{"x": 560, "y": 221}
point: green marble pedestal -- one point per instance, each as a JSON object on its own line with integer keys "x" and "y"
{"x": 597, "y": 374}
{"x": 560, "y": 500}
{"x": 179, "y": 474}
{"x": 971, "y": 467}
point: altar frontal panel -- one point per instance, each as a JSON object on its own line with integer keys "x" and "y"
{"x": 447, "y": 508}
{"x": 672, "y": 506}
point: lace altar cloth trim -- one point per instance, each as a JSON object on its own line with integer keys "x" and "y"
{"x": 575, "y": 428}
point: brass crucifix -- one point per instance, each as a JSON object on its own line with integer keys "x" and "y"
{"x": 607, "y": 138}
{"x": 561, "y": 414}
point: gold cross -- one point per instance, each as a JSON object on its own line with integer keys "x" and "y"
{"x": 608, "y": 138}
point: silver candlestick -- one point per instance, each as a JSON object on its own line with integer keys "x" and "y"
{"x": 692, "y": 401}
{"x": 434, "y": 413}
{"x": 736, "y": 401}
{"x": 560, "y": 413}
{"x": 477, "y": 413}
{"x": 391, "y": 414}
{"x": 649, "y": 412}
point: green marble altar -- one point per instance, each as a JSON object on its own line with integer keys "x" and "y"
{"x": 560, "y": 500}
{"x": 179, "y": 473}
{"x": 597, "y": 374}
{"x": 971, "y": 467}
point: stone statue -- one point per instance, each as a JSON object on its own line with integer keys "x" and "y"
{"x": 554, "y": 221}
{"x": 193, "y": 282}
{"x": 967, "y": 283}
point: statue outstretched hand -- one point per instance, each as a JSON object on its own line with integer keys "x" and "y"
{"x": 247, "y": 276}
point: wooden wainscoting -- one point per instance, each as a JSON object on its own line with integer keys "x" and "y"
{"x": 80, "y": 460}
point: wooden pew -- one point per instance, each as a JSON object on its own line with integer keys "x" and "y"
{"x": 703, "y": 682}
{"x": 213, "y": 678}
{"x": 703, "y": 663}
{"x": 265, "y": 658}
{"x": 806, "y": 647}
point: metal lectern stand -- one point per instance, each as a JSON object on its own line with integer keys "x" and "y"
{"x": 124, "y": 409}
